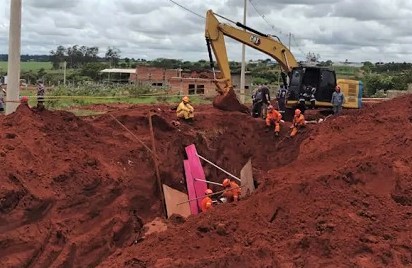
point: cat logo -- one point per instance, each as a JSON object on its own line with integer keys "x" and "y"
{"x": 255, "y": 39}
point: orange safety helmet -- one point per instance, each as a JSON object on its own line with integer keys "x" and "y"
{"x": 185, "y": 99}
{"x": 208, "y": 191}
{"x": 226, "y": 182}
{"x": 297, "y": 112}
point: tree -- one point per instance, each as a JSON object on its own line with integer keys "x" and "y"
{"x": 112, "y": 56}
{"x": 312, "y": 57}
{"x": 58, "y": 56}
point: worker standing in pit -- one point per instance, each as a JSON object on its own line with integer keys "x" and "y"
{"x": 207, "y": 202}
{"x": 2, "y": 99}
{"x": 185, "y": 110}
{"x": 281, "y": 98}
{"x": 338, "y": 99}
{"x": 265, "y": 100}
{"x": 40, "y": 94}
{"x": 232, "y": 190}
{"x": 257, "y": 99}
{"x": 273, "y": 119}
{"x": 298, "y": 122}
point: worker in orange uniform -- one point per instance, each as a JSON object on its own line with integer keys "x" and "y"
{"x": 273, "y": 119}
{"x": 232, "y": 190}
{"x": 207, "y": 201}
{"x": 185, "y": 110}
{"x": 298, "y": 122}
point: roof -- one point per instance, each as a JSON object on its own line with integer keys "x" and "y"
{"x": 123, "y": 71}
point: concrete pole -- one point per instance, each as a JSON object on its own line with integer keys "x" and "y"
{"x": 290, "y": 39}
{"x": 243, "y": 67}
{"x": 13, "y": 73}
{"x": 64, "y": 73}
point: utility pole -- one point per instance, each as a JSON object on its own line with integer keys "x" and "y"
{"x": 243, "y": 67}
{"x": 290, "y": 39}
{"x": 13, "y": 72}
{"x": 64, "y": 72}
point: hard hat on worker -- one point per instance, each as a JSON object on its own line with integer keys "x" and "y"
{"x": 185, "y": 99}
{"x": 226, "y": 182}
{"x": 297, "y": 112}
{"x": 208, "y": 191}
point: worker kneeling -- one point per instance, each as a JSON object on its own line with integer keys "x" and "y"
{"x": 298, "y": 122}
{"x": 273, "y": 118}
{"x": 232, "y": 190}
{"x": 185, "y": 110}
{"x": 207, "y": 201}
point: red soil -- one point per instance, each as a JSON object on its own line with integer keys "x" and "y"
{"x": 73, "y": 192}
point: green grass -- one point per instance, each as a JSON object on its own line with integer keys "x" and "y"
{"x": 27, "y": 66}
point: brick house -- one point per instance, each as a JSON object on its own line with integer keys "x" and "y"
{"x": 178, "y": 82}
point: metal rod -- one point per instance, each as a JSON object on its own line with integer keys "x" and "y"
{"x": 158, "y": 178}
{"x": 221, "y": 169}
{"x": 197, "y": 198}
{"x": 220, "y": 16}
{"x": 131, "y": 133}
{"x": 211, "y": 182}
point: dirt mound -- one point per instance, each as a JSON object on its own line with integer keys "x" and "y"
{"x": 75, "y": 190}
{"x": 229, "y": 102}
{"x": 344, "y": 202}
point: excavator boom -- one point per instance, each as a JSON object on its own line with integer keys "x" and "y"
{"x": 215, "y": 32}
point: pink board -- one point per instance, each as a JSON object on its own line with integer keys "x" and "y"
{"x": 194, "y": 209}
{"x": 197, "y": 172}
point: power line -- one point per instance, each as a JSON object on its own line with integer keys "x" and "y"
{"x": 185, "y": 8}
{"x": 276, "y": 28}
{"x": 264, "y": 18}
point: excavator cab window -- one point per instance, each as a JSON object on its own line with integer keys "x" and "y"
{"x": 326, "y": 86}
{"x": 296, "y": 77}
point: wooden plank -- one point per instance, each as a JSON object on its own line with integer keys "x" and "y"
{"x": 246, "y": 177}
{"x": 174, "y": 197}
{"x": 194, "y": 208}
{"x": 197, "y": 172}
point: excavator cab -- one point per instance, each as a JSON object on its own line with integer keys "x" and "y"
{"x": 323, "y": 80}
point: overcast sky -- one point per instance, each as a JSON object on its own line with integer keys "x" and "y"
{"x": 357, "y": 30}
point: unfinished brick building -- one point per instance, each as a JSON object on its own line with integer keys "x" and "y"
{"x": 179, "y": 82}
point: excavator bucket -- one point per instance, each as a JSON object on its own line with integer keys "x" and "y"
{"x": 229, "y": 102}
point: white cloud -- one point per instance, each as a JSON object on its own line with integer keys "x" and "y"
{"x": 377, "y": 30}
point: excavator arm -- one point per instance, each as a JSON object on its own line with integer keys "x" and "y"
{"x": 215, "y": 32}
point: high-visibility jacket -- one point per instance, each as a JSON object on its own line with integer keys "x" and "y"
{"x": 206, "y": 204}
{"x": 273, "y": 116}
{"x": 184, "y": 107}
{"x": 298, "y": 120}
{"x": 232, "y": 192}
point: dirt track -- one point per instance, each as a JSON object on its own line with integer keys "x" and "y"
{"x": 73, "y": 192}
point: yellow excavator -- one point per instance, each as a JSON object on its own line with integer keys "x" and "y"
{"x": 302, "y": 81}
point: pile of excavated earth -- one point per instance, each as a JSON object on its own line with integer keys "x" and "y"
{"x": 80, "y": 192}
